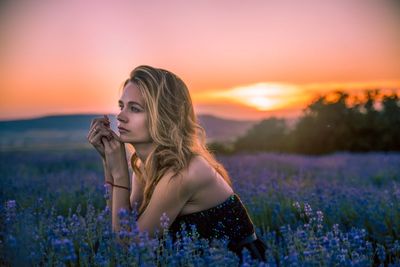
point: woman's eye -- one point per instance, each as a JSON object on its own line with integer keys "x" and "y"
{"x": 132, "y": 109}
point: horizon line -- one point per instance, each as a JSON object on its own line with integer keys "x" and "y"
{"x": 100, "y": 114}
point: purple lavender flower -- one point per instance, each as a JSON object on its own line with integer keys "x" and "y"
{"x": 164, "y": 221}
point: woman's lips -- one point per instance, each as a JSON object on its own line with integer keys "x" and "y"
{"x": 122, "y": 130}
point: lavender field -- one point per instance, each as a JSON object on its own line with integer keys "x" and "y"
{"x": 335, "y": 210}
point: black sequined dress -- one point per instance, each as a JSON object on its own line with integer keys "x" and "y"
{"x": 228, "y": 219}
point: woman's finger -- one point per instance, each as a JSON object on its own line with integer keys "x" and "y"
{"x": 96, "y": 138}
{"x": 97, "y": 127}
{"x": 102, "y": 123}
{"x": 106, "y": 144}
{"x": 94, "y": 131}
{"x": 106, "y": 118}
{"x": 114, "y": 135}
{"x": 96, "y": 120}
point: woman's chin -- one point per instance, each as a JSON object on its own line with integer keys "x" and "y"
{"x": 124, "y": 139}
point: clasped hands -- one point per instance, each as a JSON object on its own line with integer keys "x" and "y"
{"x": 110, "y": 147}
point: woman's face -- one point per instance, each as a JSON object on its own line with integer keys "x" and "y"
{"x": 132, "y": 119}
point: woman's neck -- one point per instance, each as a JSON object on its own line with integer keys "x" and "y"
{"x": 143, "y": 150}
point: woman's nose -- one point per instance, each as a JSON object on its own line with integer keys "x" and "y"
{"x": 121, "y": 117}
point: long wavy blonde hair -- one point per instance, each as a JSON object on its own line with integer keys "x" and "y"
{"x": 173, "y": 127}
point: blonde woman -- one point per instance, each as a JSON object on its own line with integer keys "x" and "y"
{"x": 173, "y": 172}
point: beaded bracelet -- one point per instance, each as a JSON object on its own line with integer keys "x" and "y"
{"x": 120, "y": 186}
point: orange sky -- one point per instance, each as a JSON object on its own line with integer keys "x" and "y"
{"x": 245, "y": 61}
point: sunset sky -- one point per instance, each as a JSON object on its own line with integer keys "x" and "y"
{"x": 240, "y": 59}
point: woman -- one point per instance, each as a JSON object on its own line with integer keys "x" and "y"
{"x": 173, "y": 172}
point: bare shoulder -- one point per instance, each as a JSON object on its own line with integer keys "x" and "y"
{"x": 199, "y": 171}
{"x": 204, "y": 180}
{"x": 199, "y": 183}
{"x": 208, "y": 188}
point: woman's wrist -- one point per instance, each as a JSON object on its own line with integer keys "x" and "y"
{"x": 121, "y": 177}
{"x": 117, "y": 186}
{"x": 107, "y": 175}
{"x": 122, "y": 183}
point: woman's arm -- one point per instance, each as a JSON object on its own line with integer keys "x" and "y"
{"x": 168, "y": 199}
{"x": 120, "y": 196}
{"x": 137, "y": 192}
{"x": 99, "y": 131}
{"x": 108, "y": 179}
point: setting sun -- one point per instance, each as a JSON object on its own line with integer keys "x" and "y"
{"x": 261, "y": 96}
{"x": 262, "y": 103}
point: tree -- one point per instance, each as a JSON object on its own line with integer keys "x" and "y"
{"x": 331, "y": 123}
{"x": 268, "y": 135}
{"x": 324, "y": 126}
{"x": 390, "y": 119}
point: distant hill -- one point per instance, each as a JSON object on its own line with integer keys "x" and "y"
{"x": 57, "y": 122}
{"x": 71, "y": 130}
{"x": 224, "y": 130}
